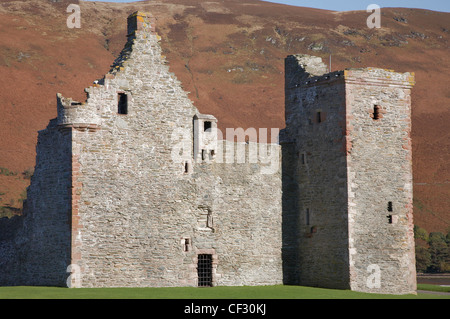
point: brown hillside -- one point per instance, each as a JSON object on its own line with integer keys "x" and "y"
{"x": 230, "y": 56}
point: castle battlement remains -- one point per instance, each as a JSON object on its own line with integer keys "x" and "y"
{"x": 135, "y": 188}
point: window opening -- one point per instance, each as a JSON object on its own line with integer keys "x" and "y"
{"x": 203, "y": 155}
{"x": 123, "y": 104}
{"x": 390, "y": 209}
{"x": 204, "y": 270}
{"x": 376, "y": 112}
{"x": 186, "y": 244}
{"x": 389, "y": 219}
{"x": 207, "y": 125}
{"x": 319, "y": 117}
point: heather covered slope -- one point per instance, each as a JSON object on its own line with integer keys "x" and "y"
{"x": 230, "y": 56}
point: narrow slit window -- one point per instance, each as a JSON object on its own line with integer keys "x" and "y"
{"x": 319, "y": 117}
{"x": 186, "y": 167}
{"x": 376, "y": 112}
{"x": 390, "y": 208}
{"x": 390, "y": 220}
{"x": 203, "y": 155}
{"x": 122, "y": 104}
{"x": 187, "y": 243}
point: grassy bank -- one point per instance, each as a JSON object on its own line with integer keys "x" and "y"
{"x": 265, "y": 292}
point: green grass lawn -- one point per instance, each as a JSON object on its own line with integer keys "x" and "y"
{"x": 433, "y": 288}
{"x": 264, "y": 292}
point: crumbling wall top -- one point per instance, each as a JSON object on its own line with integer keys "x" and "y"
{"x": 300, "y": 67}
{"x": 76, "y": 114}
{"x": 306, "y": 70}
{"x": 312, "y": 65}
{"x": 140, "y": 21}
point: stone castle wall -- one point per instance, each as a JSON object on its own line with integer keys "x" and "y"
{"x": 137, "y": 209}
{"x": 348, "y": 148}
{"x": 132, "y": 185}
{"x": 315, "y": 117}
{"x": 39, "y": 241}
{"x": 380, "y": 179}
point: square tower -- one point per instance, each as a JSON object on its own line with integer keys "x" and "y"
{"x": 348, "y": 178}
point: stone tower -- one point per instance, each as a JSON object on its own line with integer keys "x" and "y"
{"x": 120, "y": 199}
{"x": 347, "y": 178}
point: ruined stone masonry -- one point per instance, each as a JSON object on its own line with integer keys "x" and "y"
{"x": 347, "y": 178}
{"x": 132, "y": 188}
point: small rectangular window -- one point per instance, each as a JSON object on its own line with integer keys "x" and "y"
{"x": 207, "y": 125}
{"x": 390, "y": 209}
{"x": 187, "y": 243}
{"x": 319, "y": 117}
{"x": 122, "y": 107}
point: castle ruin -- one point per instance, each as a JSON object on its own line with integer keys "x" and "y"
{"x": 133, "y": 187}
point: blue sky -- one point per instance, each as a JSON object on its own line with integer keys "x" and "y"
{"x": 437, "y": 5}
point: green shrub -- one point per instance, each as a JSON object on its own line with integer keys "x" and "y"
{"x": 423, "y": 259}
{"x": 6, "y": 172}
{"x": 28, "y": 173}
{"x": 420, "y": 233}
{"x": 432, "y": 251}
{"x": 439, "y": 253}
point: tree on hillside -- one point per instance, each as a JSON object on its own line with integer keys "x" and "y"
{"x": 432, "y": 251}
{"x": 439, "y": 253}
{"x": 423, "y": 259}
{"x": 420, "y": 233}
